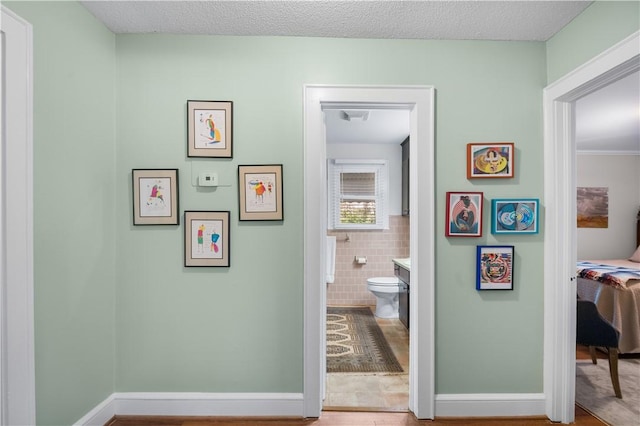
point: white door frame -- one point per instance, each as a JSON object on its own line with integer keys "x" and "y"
{"x": 419, "y": 100}
{"x": 17, "y": 371}
{"x": 560, "y": 219}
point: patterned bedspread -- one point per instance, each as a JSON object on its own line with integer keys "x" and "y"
{"x": 615, "y": 276}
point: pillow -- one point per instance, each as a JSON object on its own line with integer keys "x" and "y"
{"x": 635, "y": 257}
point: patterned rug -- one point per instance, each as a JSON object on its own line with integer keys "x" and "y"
{"x": 594, "y": 391}
{"x": 355, "y": 343}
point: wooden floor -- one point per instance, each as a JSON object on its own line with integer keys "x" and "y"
{"x": 352, "y": 418}
{"x": 337, "y": 418}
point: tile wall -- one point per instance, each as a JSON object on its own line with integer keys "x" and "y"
{"x": 350, "y": 284}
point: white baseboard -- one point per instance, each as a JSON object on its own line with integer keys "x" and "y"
{"x": 194, "y": 404}
{"x": 291, "y": 405}
{"x": 490, "y": 405}
{"x": 209, "y": 404}
{"x": 100, "y": 414}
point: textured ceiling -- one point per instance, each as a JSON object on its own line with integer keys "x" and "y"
{"x": 596, "y": 128}
{"x": 453, "y": 20}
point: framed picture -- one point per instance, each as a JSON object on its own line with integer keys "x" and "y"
{"x": 514, "y": 216}
{"x": 155, "y": 197}
{"x": 464, "y": 214}
{"x": 206, "y": 238}
{"x": 210, "y": 129}
{"x": 494, "y": 268}
{"x": 260, "y": 190}
{"x": 490, "y": 160}
{"x": 592, "y": 207}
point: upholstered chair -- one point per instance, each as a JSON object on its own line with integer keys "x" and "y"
{"x": 593, "y": 330}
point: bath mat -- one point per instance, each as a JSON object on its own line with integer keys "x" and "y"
{"x": 356, "y": 344}
{"x": 594, "y": 391}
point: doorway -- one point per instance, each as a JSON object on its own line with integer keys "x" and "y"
{"x": 367, "y": 338}
{"x": 560, "y": 219}
{"x": 419, "y": 101}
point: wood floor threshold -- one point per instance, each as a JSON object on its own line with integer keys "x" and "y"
{"x": 589, "y": 413}
{"x": 347, "y": 409}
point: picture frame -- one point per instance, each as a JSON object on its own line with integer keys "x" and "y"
{"x": 464, "y": 214}
{"x": 155, "y": 196}
{"x": 210, "y": 129}
{"x": 592, "y": 205}
{"x": 494, "y": 267}
{"x": 490, "y": 160}
{"x": 260, "y": 192}
{"x": 206, "y": 238}
{"x": 515, "y": 216}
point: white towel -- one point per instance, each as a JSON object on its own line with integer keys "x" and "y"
{"x": 330, "y": 261}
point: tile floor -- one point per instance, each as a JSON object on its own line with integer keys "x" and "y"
{"x": 374, "y": 391}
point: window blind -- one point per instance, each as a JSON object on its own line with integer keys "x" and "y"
{"x": 358, "y": 195}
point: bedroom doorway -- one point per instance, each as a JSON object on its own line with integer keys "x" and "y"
{"x": 560, "y": 219}
{"x": 419, "y": 100}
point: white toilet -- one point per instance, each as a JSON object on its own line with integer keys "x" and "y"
{"x": 386, "y": 290}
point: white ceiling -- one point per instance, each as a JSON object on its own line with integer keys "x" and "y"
{"x": 599, "y": 124}
{"x": 609, "y": 119}
{"x": 453, "y": 20}
{"x": 381, "y": 126}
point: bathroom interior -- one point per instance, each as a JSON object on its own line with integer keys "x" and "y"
{"x": 370, "y": 267}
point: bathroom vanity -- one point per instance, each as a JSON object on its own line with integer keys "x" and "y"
{"x": 402, "y": 270}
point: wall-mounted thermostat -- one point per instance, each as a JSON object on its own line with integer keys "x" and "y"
{"x": 208, "y": 179}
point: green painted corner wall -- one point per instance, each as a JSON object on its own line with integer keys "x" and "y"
{"x": 240, "y": 329}
{"x": 74, "y": 209}
{"x": 599, "y": 27}
{"x": 115, "y": 308}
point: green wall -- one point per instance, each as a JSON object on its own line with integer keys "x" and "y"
{"x": 115, "y": 308}
{"x": 240, "y": 329}
{"x": 599, "y": 27}
{"x": 74, "y": 207}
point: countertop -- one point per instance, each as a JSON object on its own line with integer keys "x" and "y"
{"x": 403, "y": 263}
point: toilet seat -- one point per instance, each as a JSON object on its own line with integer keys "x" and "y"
{"x": 384, "y": 284}
{"x": 383, "y": 281}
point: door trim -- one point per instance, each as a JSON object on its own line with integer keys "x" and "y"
{"x": 420, "y": 101}
{"x": 17, "y": 369}
{"x": 560, "y": 219}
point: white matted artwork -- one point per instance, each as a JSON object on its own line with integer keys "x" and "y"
{"x": 206, "y": 238}
{"x": 210, "y": 128}
{"x": 155, "y": 196}
{"x": 260, "y": 192}
{"x": 155, "y": 199}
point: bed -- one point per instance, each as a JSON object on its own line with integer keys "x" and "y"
{"x": 614, "y": 286}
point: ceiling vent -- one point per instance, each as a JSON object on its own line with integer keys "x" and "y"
{"x": 354, "y": 115}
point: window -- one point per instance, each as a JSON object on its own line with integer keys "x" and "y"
{"x": 358, "y": 194}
